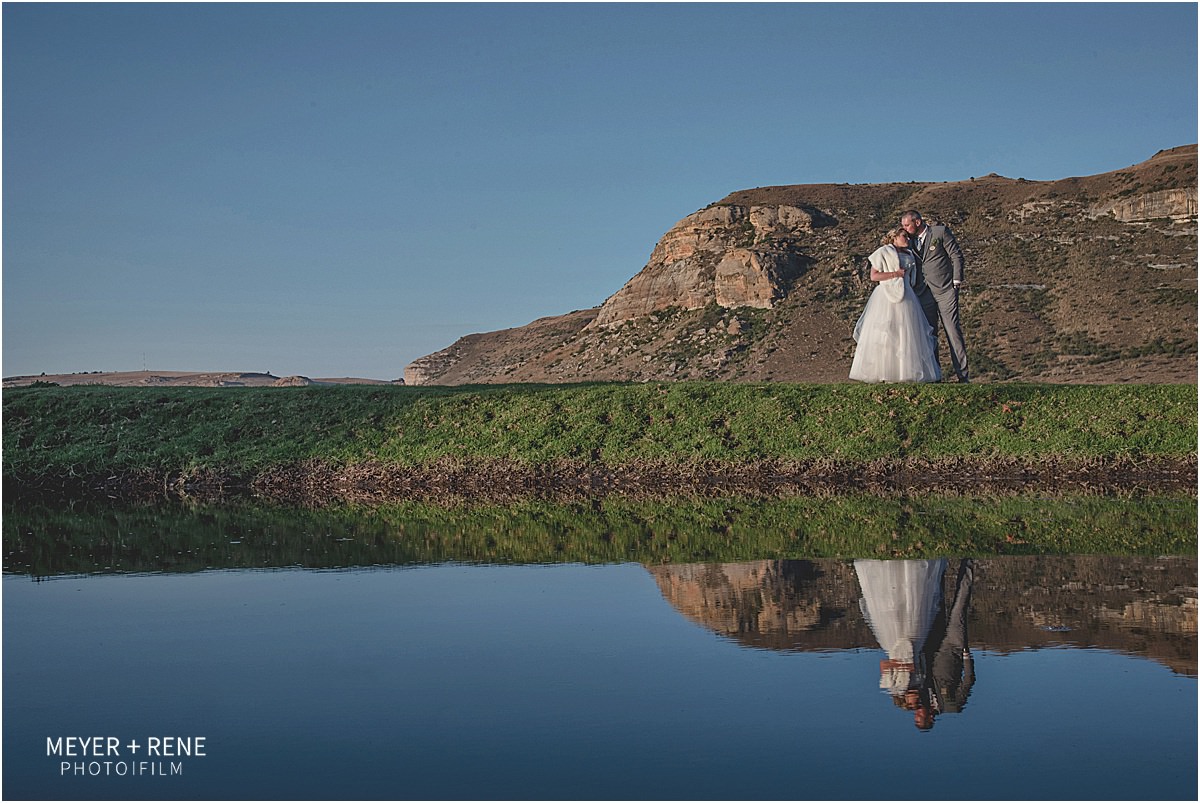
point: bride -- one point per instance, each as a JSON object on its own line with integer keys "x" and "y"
{"x": 895, "y": 341}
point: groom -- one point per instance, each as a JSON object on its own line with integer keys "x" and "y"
{"x": 939, "y": 275}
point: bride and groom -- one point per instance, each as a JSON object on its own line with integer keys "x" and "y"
{"x": 919, "y": 268}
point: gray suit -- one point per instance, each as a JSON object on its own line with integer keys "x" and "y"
{"x": 941, "y": 264}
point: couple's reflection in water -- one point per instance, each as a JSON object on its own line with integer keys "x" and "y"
{"x": 916, "y": 611}
{"x": 929, "y": 669}
{"x": 934, "y": 620}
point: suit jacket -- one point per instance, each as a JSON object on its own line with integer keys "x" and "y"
{"x": 941, "y": 258}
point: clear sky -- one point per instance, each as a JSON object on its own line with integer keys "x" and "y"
{"x": 336, "y": 190}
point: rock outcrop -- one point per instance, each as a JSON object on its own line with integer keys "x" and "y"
{"x": 293, "y": 382}
{"x": 1085, "y": 279}
{"x": 1176, "y": 204}
{"x": 733, "y": 256}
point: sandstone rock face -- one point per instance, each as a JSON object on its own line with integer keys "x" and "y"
{"x": 735, "y": 256}
{"x": 1175, "y": 204}
{"x": 293, "y": 382}
{"x": 422, "y": 371}
{"x": 747, "y": 278}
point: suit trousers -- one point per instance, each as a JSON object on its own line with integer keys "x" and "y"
{"x": 943, "y": 305}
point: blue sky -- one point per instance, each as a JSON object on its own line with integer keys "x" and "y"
{"x": 334, "y": 189}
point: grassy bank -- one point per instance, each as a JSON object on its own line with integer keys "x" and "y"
{"x": 87, "y": 435}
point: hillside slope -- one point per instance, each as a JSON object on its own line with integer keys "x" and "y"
{"x": 1083, "y": 279}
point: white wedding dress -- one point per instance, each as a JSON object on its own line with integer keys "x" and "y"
{"x": 895, "y": 341}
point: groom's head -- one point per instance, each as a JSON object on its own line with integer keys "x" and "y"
{"x": 911, "y": 221}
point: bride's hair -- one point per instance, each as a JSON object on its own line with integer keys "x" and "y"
{"x": 891, "y": 235}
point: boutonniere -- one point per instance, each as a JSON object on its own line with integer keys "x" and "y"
{"x": 936, "y": 243}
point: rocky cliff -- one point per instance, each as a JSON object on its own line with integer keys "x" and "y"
{"x": 733, "y": 256}
{"x": 1084, "y": 279}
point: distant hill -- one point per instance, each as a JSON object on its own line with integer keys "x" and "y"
{"x": 194, "y": 379}
{"x": 1079, "y": 280}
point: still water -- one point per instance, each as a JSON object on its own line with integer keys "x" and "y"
{"x": 1018, "y": 677}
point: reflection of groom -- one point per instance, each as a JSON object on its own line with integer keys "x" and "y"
{"x": 939, "y": 275}
{"x": 948, "y": 668}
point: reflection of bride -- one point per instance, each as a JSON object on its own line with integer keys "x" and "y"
{"x": 900, "y": 600}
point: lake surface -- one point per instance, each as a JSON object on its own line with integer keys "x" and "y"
{"x": 735, "y": 680}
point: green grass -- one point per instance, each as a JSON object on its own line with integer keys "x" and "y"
{"x": 91, "y": 431}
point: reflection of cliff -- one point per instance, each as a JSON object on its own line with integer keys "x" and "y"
{"x": 1141, "y": 606}
{"x": 777, "y": 604}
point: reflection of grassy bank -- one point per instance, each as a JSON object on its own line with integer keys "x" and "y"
{"x": 48, "y": 541}
{"x": 79, "y": 438}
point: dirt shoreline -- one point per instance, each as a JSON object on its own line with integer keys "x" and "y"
{"x": 317, "y": 483}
